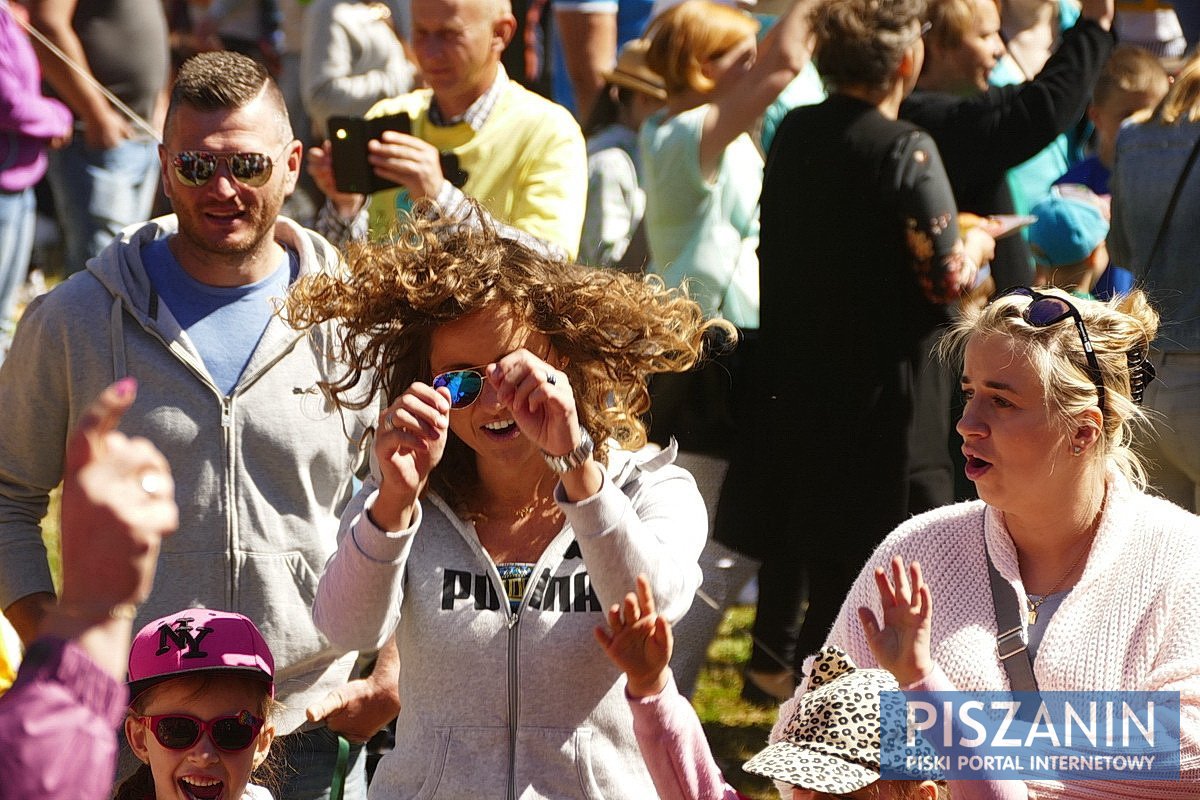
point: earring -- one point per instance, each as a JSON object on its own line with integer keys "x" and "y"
{"x": 1076, "y": 450}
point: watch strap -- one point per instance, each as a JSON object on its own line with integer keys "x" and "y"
{"x": 568, "y": 462}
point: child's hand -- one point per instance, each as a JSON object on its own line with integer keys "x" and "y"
{"x": 640, "y": 642}
{"x": 902, "y": 645}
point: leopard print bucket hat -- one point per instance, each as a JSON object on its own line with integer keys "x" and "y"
{"x": 831, "y": 743}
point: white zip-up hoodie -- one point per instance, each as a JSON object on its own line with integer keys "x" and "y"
{"x": 521, "y": 704}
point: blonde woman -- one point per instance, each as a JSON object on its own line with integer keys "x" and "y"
{"x": 1100, "y": 576}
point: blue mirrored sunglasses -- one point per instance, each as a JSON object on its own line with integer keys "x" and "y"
{"x": 465, "y": 385}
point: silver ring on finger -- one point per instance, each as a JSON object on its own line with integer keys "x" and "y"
{"x": 551, "y": 377}
{"x": 389, "y": 422}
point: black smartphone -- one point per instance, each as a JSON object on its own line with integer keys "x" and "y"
{"x": 348, "y": 137}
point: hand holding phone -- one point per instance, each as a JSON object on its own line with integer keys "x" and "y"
{"x": 348, "y": 136}
{"x": 412, "y": 163}
{"x": 319, "y": 163}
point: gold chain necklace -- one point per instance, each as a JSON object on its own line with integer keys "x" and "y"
{"x": 1035, "y": 604}
{"x": 522, "y": 513}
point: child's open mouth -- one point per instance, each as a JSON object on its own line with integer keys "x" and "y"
{"x": 197, "y": 788}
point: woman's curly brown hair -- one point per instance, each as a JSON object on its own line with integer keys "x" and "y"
{"x": 614, "y": 329}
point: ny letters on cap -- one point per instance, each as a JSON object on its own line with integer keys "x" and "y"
{"x": 198, "y": 640}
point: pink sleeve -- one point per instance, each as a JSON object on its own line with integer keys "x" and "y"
{"x": 23, "y": 109}
{"x": 58, "y": 723}
{"x": 675, "y": 750}
{"x": 938, "y": 681}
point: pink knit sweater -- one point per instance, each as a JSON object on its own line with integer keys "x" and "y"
{"x": 1130, "y": 623}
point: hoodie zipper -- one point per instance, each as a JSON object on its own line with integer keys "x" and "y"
{"x": 227, "y": 441}
{"x": 513, "y": 624}
{"x": 231, "y": 512}
{"x": 514, "y": 635}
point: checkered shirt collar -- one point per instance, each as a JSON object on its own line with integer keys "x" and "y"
{"x": 479, "y": 111}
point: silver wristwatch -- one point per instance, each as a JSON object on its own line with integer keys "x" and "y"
{"x": 561, "y": 464}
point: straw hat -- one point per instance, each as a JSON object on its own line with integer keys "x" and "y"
{"x": 631, "y": 71}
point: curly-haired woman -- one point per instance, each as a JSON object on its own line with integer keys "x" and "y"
{"x": 510, "y": 504}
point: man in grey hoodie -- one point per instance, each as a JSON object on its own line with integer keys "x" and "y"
{"x": 230, "y": 393}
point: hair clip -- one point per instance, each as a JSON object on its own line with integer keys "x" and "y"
{"x": 1141, "y": 373}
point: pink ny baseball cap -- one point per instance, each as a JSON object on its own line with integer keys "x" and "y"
{"x": 198, "y": 640}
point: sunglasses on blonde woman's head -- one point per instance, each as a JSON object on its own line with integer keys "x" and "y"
{"x": 464, "y": 385}
{"x": 232, "y": 733}
{"x": 197, "y": 167}
{"x": 1046, "y": 310}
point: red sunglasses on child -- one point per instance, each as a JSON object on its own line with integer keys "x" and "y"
{"x": 232, "y": 733}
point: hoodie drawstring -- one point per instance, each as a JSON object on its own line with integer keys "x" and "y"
{"x": 116, "y": 332}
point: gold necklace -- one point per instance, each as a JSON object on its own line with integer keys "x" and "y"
{"x": 525, "y": 511}
{"x": 1034, "y": 605}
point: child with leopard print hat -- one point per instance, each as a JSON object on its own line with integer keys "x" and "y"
{"x": 825, "y": 749}
{"x": 821, "y": 755}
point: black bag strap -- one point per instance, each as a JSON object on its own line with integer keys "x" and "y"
{"x": 1014, "y": 655}
{"x": 1166, "y": 220}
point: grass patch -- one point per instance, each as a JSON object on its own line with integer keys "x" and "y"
{"x": 51, "y": 538}
{"x": 736, "y": 730}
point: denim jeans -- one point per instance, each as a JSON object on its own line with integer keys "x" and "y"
{"x": 17, "y": 219}
{"x": 99, "y": 192}
{"x": 309, "y": 758}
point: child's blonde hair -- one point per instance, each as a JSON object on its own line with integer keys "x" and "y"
{"x": 1130, "y": 69}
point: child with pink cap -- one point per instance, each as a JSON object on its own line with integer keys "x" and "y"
{"x": 201, "y": 688}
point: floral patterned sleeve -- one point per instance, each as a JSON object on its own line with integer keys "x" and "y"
{"x": 926, "y": 204}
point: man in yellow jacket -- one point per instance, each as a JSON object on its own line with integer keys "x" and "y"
{"x": 520, "y": 155}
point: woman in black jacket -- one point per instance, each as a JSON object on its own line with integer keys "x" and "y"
{"x": 859, "y": 257}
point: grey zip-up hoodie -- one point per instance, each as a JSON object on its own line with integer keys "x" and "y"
{"x": 260, "y": 475}
{"x": 519, "y": 704}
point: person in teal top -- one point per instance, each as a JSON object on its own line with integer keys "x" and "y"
{"x": 704, "y": 229}
{"x": 703, "y": 173}
{"x": 702, "y": 176}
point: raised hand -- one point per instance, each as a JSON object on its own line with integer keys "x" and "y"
{"x": 118, "y": 502}
{"x": 413, "y": 163}
{"x": 901, "y": 646}
{"x": 409, "y": 443}
{"x": 640, "y": 642}
{"x": 540, "y": 398}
